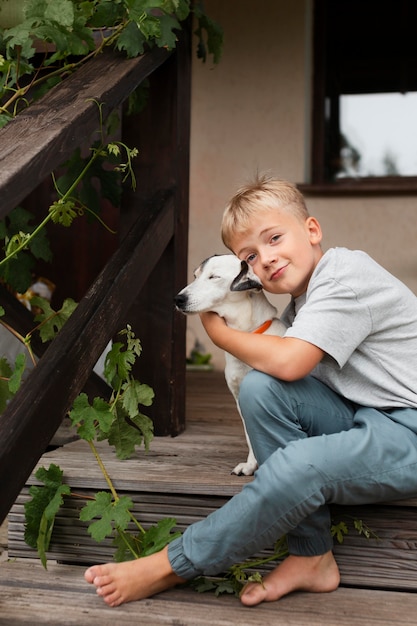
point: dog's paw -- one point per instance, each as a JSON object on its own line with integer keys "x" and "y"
{"x": 245, "y": 469}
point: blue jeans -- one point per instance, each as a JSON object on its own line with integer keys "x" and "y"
{"x": 313, "y": 448}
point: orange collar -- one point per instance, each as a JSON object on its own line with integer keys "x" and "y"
{"x": 261, "y": 329}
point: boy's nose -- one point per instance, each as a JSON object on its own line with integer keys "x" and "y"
{"x": 267, "y": 259}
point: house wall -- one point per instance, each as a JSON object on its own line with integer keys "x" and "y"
{"x": 251, "y": 112}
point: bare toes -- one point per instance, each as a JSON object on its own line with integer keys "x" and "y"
{"x": 252, "y": 594}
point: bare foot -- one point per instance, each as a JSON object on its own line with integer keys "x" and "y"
{"x": 123, "y": 582}
{"x": 307, "y": 573}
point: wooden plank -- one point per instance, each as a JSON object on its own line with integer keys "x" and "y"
{"x": 187, "y": 464}
{"x": 61, "y": 597}
{"x": 28, "y": 422}
{"x": 44, "y": 136}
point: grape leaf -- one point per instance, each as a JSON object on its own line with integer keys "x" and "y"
{"x": 41, "y": 510}
{"x": 150, "y": 27}
{"x": 145, "y": 425}
{"x": 60, "y": 11}
{"x": 167, "y": 37}
{"x": 105, "y": 13}
{"x": 153, "y": 540}
{"x": 35, "y": 8}
{"x": 118, "y": 364}
{"x": 20, "y": 36}
{"x": 135, "y": 393}
{"x": 5, "y": 393}
{"x": 63, "y": 212}
{"x": 48, "y": 520}
{"x": 4, "y": 119}
{"x": 158, "y": 536}
{"x": 182, "y": 10}
{"x": 201, "y": 584}
{"x": 87, "y": 418}
{"x": 133, "y": 343}
{"x": 18, "y": 220}
{"x": 137, "y": 9}
{"x": 112, "y": 514}
{"x": 125, "y": 433}
{"x": 52, "y": 321}
{"x": 16, "y": 377}
{"x": 131, "y": 40}
{"x": 17, "y": 272}
{"x": 127, "y": 546}
{"x": 39, "y": 246}
{"x": 209, "y": 34}
{"x": 218, "y": 585}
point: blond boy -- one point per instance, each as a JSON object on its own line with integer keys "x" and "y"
{"x": 330, "y": 408}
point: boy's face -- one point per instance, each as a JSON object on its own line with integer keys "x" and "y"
{"x": 282, "y": 250}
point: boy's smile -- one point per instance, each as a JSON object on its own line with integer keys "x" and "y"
{"x": 282, "y": 249}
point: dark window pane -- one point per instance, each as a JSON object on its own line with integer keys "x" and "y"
{"x": 365, "y": 89}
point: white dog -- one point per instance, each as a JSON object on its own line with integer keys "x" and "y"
{"x": 228, "y": 286}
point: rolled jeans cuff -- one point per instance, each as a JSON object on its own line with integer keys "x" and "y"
{"x": 179, "y": 562}
{"x": 314, "y": 546}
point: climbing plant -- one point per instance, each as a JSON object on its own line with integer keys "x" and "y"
{"x": 52, "y": 38}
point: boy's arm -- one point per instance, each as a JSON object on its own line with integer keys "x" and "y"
{"x": 285, "y": 358}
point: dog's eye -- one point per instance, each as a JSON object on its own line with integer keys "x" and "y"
{"x": 213, "y": 276}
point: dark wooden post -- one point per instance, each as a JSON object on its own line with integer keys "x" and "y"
{"x": 161, "y": 134}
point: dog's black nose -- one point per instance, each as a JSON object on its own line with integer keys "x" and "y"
{"x": 180, "y": 300}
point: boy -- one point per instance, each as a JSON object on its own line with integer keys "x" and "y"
{"x": 330, "y": 408}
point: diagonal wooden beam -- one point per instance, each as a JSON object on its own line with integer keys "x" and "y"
{"x": 30, "y": 420}
{"x": 40, "y": 139}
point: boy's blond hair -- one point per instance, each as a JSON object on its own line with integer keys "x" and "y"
{"x": 263, "y": 194}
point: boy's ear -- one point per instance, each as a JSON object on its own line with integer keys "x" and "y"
{"x": 244, "y": 282}
{"x": 314, "y": 230}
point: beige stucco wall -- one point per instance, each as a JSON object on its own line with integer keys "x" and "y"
{"x": 251, "y": 112}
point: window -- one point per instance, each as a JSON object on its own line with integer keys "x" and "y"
{"x": 365, "y": 95}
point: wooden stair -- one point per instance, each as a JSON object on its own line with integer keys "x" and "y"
{"x": 187, "y": 477}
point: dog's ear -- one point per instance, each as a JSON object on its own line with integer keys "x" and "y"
{"x": 243, "y": 282}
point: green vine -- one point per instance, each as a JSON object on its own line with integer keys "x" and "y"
{"x": 64, "y": 210}
{"x": 119, "y": 420}
{"x": 81, "y": 29}
{"x": 24, "y": 243}
{"x": 71, "y": 26}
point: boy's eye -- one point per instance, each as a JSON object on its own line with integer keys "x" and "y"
{"x": 250, "y": 259}
{"x": 275, "y": 238}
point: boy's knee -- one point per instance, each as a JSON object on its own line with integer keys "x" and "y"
{"x": 254, "y": 388}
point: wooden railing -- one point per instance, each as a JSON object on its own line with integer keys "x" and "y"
{"x": 139, "y": 281}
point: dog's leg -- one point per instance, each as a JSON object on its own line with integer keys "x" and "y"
{"x": 248, "y": 468}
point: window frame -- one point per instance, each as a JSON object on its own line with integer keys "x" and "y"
{"x": 365, "y": 185}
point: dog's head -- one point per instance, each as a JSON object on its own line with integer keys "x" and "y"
{"x": 219, "y": 279}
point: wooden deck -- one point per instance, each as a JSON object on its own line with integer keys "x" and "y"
{"x": 186, "y": 477}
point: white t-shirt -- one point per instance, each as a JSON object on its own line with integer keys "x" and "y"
{"x": 365, "y": 320}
